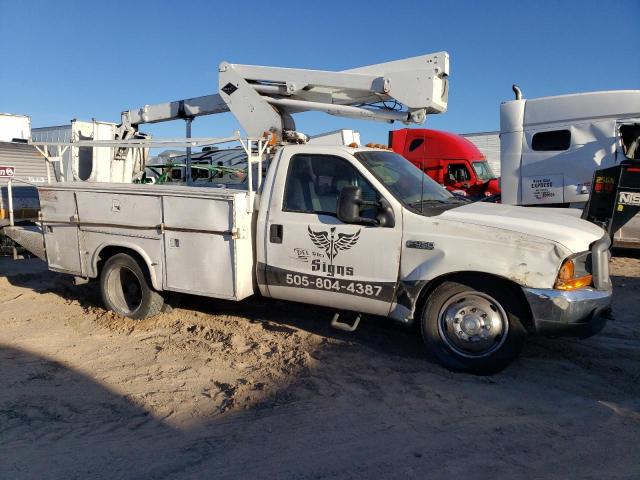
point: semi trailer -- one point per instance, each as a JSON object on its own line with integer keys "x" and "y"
{"x": 352, "y": 228}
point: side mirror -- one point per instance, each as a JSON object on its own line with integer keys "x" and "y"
{"x": 349, "y": 203}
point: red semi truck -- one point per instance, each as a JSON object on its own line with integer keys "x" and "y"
{"x": 451, "y": 160}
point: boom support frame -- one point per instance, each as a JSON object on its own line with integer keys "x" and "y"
{"x": 263, "y": 99}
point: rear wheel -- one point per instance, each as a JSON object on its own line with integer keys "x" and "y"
{"x": 126, "y": 288}
{"x": 473, "y": 325}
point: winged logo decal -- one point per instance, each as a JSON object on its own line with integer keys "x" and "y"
{"x": 333, "y": 243}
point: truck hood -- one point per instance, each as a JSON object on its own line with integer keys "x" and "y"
{"x": 573, "y": 233}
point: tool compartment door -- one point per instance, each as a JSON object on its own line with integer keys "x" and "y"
{"x": 59, "y": 212}
{"x": 199, "y": 248}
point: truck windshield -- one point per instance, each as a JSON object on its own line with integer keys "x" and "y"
{"x": 483, "y": 170}
{"x": 407, "y": 182}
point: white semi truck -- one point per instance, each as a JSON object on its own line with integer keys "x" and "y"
{"x": 351, "y": 228}
{"x": 550, "y": 148}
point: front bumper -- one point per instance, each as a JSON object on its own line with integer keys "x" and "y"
{"x": 574, "y": 313}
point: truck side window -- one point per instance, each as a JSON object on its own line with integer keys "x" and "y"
{"x": 457, "y": 172}
{"x": 555, "y": 140}
{"x": 314, "y": 183}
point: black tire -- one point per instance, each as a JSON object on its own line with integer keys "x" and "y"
{"x": 474, "y": 325}
{"x": 126, "y": 288}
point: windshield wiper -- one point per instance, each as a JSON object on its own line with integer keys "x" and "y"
{"x": 434, "y": 200}
{"x": 428, "y": 201}
{"x": 460, "y": 200}
{"x": 437, "y": 205}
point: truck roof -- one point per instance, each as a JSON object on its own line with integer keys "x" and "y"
{"x": 344, "y": 148}
{"x": 578, "y": 106}
{"x": 441, "y": 145}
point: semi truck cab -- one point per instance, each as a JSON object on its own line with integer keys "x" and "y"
{"x": 449, "y": 159}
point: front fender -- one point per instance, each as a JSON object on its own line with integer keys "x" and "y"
{"x": 525, "y": 260}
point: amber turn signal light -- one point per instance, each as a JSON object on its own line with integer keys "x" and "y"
{"x": 566, "y": 280}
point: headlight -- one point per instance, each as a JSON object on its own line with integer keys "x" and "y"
{"x": 575, "y": 272}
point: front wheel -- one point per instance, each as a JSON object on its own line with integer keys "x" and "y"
{"x": 473, "y": 325}
{"x": 127, "y": 290}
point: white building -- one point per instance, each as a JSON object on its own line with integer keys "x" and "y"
{"x": 489, "y": 144}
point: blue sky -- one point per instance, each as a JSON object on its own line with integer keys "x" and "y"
{"x": 65, "y": 59}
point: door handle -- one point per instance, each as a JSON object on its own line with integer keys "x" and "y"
{"x": 275, "y": 233}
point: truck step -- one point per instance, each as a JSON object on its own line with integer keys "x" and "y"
{"x": 345, "y": 327}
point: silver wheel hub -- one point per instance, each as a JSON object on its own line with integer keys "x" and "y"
{"x": 473, "y": 324}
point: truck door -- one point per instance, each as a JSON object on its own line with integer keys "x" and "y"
{"x": 313, "y": 257}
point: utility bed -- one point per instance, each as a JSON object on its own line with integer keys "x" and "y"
{"x": 194, "y": 240}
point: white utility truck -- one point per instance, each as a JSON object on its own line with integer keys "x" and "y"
{"x": 350, "y": 228}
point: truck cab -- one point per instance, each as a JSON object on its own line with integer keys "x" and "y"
{"x": 362, "y": 229}
{"x": 449, "y": 159}
{"x": 550, "y": 148}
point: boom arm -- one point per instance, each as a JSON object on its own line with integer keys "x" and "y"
{"x": 265, "y": 98}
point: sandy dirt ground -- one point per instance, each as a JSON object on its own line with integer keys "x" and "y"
{"x": 264, "y": 389}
